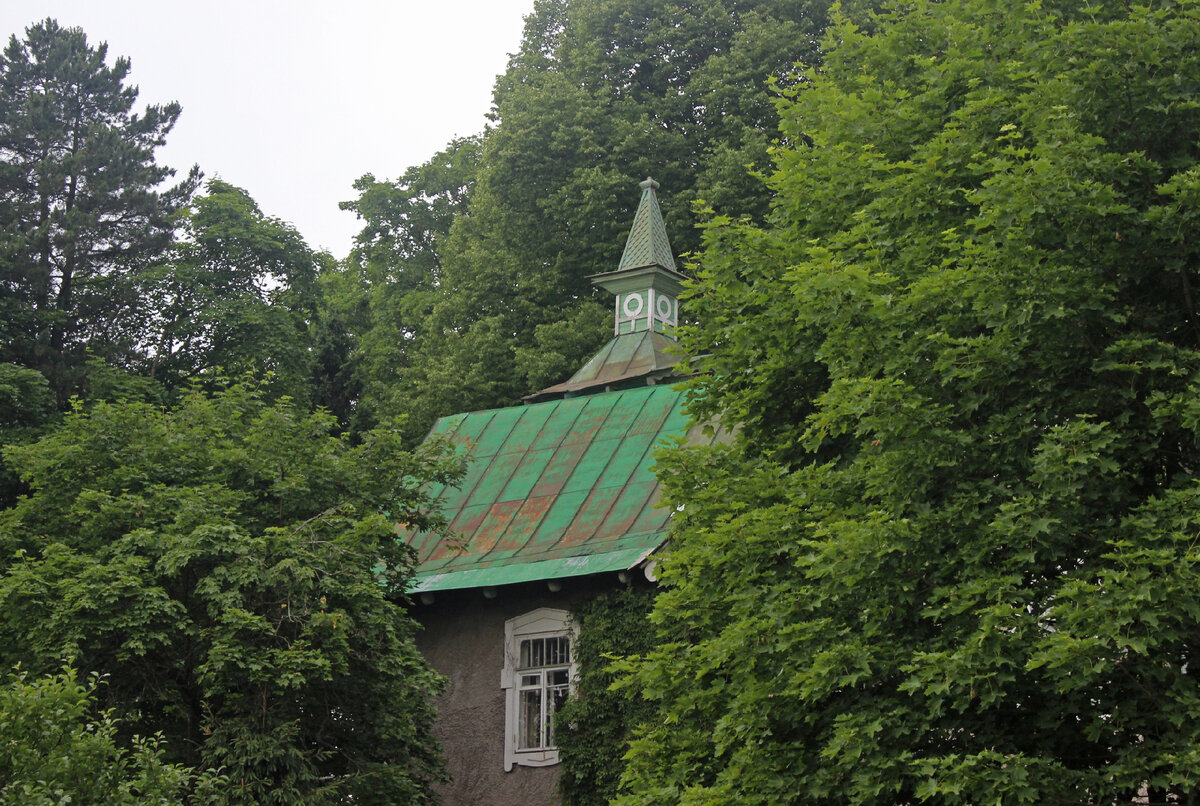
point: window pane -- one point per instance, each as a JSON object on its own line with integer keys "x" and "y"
{"x": 559, "y": 677}
{"x": 556, "y": 696}
{"x": 528, "y": 680}
{"x": 530, "y": 727}
{"x": 537, "y": 652}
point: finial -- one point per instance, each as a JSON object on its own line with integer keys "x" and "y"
{"x": 648, "y": 184}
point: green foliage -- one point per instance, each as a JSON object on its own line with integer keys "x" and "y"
{"x": 26, "y": 410}
{"x": 601, "y": 94}
{"x": 225, "y": 562}
{"x": 951, "y": 557}
{"x": 390, "y": 280}
{"x": 82, "y": 202}
{"x": 106, "y": 382}
{"x": 596, "y": 724}
{"x": 237, "y": 294}
{"x": 55, "y": 747}
{"x": 96, "y": 280}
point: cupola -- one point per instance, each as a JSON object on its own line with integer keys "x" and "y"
{"x": 646, "y": 285}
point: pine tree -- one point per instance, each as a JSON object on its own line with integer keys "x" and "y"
{"x": 82, "y": 202}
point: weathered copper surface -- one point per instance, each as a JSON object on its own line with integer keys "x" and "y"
{"x": 648, "y": 244}
{"x": 625, "y": 357}
{"x": 559, "y": 488}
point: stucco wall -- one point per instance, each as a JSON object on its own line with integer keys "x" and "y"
{"x": 463, "y": 638}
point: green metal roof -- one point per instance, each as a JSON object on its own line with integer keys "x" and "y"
{"x": 641, "y": 355}
{"x": 648, "y": 244}
{"x": 554, "y": 489}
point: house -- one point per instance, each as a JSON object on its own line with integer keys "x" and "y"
{"x": 558, "y": 504}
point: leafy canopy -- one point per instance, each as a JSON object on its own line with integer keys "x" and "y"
{"x": 952, "y": 556}
{"x": 236, "y": 293}
{"x": 228, "y": 565}
{"x": 56, "y": 748}
{"x": 477, "y": 264}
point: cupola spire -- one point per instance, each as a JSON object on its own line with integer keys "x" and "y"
{"x": 646, "y": 282}
{"x": 647, "y": 285}
{"x": 647, "y": 244}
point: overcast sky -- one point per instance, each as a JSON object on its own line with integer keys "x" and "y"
{"x": 295, "y": 100}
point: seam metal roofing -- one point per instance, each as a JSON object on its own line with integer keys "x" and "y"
{"x": 625, "y": 357}
{"x": 554, "y": 489}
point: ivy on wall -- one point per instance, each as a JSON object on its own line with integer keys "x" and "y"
{"x": 595, "y": 725}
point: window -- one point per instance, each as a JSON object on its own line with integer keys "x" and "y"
{"x": 537, "y": 675}
{"x": 544, "y": 669}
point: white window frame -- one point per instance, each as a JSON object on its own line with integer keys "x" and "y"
{"x": 545, "y": 622}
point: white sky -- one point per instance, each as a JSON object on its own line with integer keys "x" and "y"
{"x": 295, "y": 100}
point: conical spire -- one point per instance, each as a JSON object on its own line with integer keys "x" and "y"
{"x": 646, "y": 282}
{"x": 647, "y": 244}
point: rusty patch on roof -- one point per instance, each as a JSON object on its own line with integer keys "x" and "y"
{"x": 555, "y": 488}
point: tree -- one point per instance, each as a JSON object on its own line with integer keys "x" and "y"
{"x": 82, "y": 206}
{"x": 382, "y": 297}
{"x": 951, "y": 557}
{"x": 227, "y": 564}
{"x": 601, "y": 94}
{"x": 55, "y": 748}
{"x": 27, "y": 410}
{"x": 236, "y": 294}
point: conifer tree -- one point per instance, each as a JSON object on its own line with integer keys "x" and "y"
{"x": 82, "y": 202}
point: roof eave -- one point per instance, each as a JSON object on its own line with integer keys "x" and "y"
{"x": 539, "y": 571}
